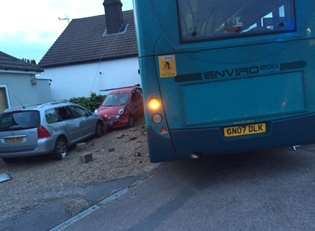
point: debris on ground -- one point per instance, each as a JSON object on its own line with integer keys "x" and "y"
{"x": 81, "y": 147}
{"x": 133, "y": 138}
{"x": 138, "y": 154}
{"x": 294, "y": 148}
{"x": 48, "y": 179}
{"x": 4, "y": 177}
{"x": 120, "y": 136}
{"x": 86, "y": 157}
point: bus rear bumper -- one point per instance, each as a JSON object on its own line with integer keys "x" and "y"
{"x": 211, "y": 141}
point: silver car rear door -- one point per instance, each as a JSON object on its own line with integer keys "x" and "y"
{"x": 88, "y": 123}
{"x": 71, "y": 124}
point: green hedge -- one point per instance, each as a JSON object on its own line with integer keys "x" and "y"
{"x": 91, "y": 103}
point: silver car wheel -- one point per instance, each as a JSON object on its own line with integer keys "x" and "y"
{"x": 61, "y": 149}
{"x": 100, "y": 129}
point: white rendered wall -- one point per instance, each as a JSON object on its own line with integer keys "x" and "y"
{"x": 84, "y": 79}
{"x": 22, "y": 91}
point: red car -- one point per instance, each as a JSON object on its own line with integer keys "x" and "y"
{"x": 122, "y": 107}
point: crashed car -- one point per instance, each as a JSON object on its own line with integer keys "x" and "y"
{"x": 122, "y": 107}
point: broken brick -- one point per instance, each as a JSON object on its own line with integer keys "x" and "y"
{"x": 86, "y": 157}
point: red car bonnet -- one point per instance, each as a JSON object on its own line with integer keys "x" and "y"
{"x": 113, "y": 110}
{"x": 109, "y": 111}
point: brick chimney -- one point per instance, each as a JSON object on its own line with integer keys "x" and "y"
{"x": 114, "y": 16}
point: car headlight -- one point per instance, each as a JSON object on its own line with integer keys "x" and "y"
{"x": 121, "y": 111}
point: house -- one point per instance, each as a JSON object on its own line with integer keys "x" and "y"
{"x": 19, "y": 86}
{"x": 94, "y": 54}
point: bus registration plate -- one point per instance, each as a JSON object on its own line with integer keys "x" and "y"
{"x": 245, "y": 130}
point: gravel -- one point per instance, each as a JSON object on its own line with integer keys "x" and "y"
{"x": 119, "y": 154}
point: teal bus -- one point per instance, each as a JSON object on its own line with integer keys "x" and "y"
{"x": 226, "y": 76}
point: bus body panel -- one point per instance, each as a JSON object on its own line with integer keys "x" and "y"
{"x": 257, "y": 79}
{"x": 207, "y": 88}
{"x": 210, "y": 141}
{"x": 248, "y": 99}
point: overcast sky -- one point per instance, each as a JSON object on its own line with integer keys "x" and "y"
{"x": 29, "y": 27}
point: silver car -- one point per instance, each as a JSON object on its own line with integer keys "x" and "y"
{"x": 46, "y": 129}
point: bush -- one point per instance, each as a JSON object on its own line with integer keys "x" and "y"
{"x": 91, "y": 103}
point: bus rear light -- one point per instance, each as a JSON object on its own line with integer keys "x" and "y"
{"x": 43, "y": 133}
{"x": 154, "y": 105}
{"x": 157, "y": 118}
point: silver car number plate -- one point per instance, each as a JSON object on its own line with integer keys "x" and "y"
{"x": 15, "y": 140}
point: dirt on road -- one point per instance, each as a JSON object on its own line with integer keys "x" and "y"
{"x": 117, "y": 155}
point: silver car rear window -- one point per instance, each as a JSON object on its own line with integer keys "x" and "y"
{"x": 19, "y": 120}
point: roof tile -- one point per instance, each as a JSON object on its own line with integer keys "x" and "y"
{"x": 8, "y": 62}
{"x": 84, "y": 40}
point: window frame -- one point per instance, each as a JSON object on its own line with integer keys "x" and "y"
{"x": 58, "y": 117}
{"x": 5, "y": 87}
{"x": 35, "y": 113}
{"x": 129, "y": 95}
{"x": 74, "y": 107}
{"x": 237, "y": 36}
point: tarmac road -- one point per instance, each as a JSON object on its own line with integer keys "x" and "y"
{"x": 256, "y": 191}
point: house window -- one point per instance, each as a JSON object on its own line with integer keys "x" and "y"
{"x": 4, "y": 104}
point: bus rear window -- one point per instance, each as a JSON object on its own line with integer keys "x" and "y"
{"x": 219, "y": 19}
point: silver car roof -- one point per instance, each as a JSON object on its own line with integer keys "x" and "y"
{"x": 45, "y": 106}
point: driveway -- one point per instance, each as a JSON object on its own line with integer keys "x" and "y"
{"x": 257, "y": 191}
{"x": 45, "y": 192}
